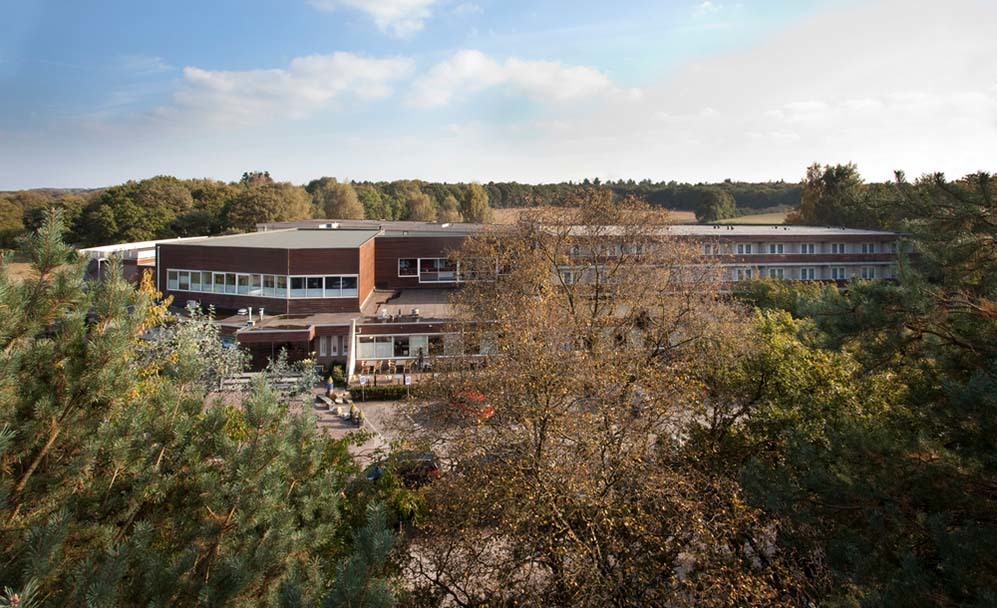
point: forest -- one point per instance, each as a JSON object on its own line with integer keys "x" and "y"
{"x": 790, "y": 444}
{"x": 165, "y": 207}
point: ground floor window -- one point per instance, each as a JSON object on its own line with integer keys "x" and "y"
{"x": 838, "y": 273}
{"x": 808, "y": 274}
{"x": 776, "y": 273}
{"x": 328, "y": 346}
{"x": 413, "y": 347}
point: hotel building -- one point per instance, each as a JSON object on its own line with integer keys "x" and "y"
{"x": 365, "y": 292}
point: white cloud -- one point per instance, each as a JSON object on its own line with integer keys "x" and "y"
{"x": 400, "y": 18}
{"x": 469, "y": 71}
{"x": 308, "y": 84}
{"x": 804, "y": 94}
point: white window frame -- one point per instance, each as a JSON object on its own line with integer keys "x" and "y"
{"x": 777, "y": 248}
{"x": 324, "y": 295}
{"x": 744, "y": 248}
{"x": 838, "y": 248}
{"x": 808, "y": 248}
{"x": 250, "y": 285}
{"x": 776, "y": 273}
{"x": 456, "y": 272}
{"x": 407, "y": 276}
{"x": 808, "y": 270}
{"x": 839, "y": 273}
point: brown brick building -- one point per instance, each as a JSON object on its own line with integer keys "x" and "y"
{"x": 366, "y": 292}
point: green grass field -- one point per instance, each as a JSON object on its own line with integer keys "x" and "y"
{"x": 761, "y": 218}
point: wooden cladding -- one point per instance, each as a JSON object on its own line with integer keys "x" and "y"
{"x": 388, "y": 249}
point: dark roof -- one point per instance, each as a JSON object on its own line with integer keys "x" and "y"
{"x": 291, "y": 239}
{"x": 389, "y": 228}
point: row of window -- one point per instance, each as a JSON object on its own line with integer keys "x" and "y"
{"x": 262, "y": 285}
{"x": 838, "y": 273}
{"x": 444, "y": 270}
{"x": 781, "y": 248}
{"x": 607, "y": 250}
{"x": 416, "y": 347}
{"x": 429, "y": 270}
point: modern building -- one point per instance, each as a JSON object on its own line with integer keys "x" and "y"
{"x": 365, "y": 292}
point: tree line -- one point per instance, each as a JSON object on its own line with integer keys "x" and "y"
{"x": 165, "y": 206}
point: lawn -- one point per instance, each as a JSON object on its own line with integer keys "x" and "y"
{"x": 758, "y": 219}
{"x": 512, "y": 215}
{"x": 17, "y": 269}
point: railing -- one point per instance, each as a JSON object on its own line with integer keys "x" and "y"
{"x": 239, "y": 382}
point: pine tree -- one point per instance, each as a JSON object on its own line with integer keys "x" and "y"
{"x": 125, "y": 481}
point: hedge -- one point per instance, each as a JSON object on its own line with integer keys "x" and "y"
{"x": 391, "y": 392}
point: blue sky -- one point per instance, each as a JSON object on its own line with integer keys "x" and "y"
{"x": 100, "y": 92}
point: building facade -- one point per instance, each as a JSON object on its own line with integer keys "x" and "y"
{"x": 373, "y": 295}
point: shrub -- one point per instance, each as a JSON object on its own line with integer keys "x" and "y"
{"x": 391, "y": 392}
{"x": 338, "y": 373}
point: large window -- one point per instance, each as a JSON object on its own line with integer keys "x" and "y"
{"x": 297, "y": 287}
{"x": 837, "y": 248}
{"x": 408, "y": 267}
{"x": 336, "y": 286}
{"x": 868, "y": 272}
{"x": 776, "y": 273}
{"x": 204, "y": 281}
{"x": 350, "y": 287}
{"x": 313, "y": 287}
{"x": 776, "y": 248}
{"x": 744, "y": 274}
{"x": 839, "y": 273}
{"x": 868, "y": 247}
{"x": 808, "y": 274}
{"x": 406, "y": 347}
{"x": 243, "y": 283}
{"x": 808, "y": 248}
{"x": 743, "y": 248}
{"x": 437, "y": 270}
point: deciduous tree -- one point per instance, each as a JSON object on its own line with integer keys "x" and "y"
{"x": 475, "y": 207}
{"x": 578, "y": 489}
{"x": 335, "y": 200}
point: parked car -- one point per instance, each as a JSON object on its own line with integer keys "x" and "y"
{"x": 472, "y": 404}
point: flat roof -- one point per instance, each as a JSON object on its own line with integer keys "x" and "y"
{"x": 388, "y": 227}
{"x": 291, "y": 239}
{"x": 432, "y": 303}
{"x": 739, "y": 230}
